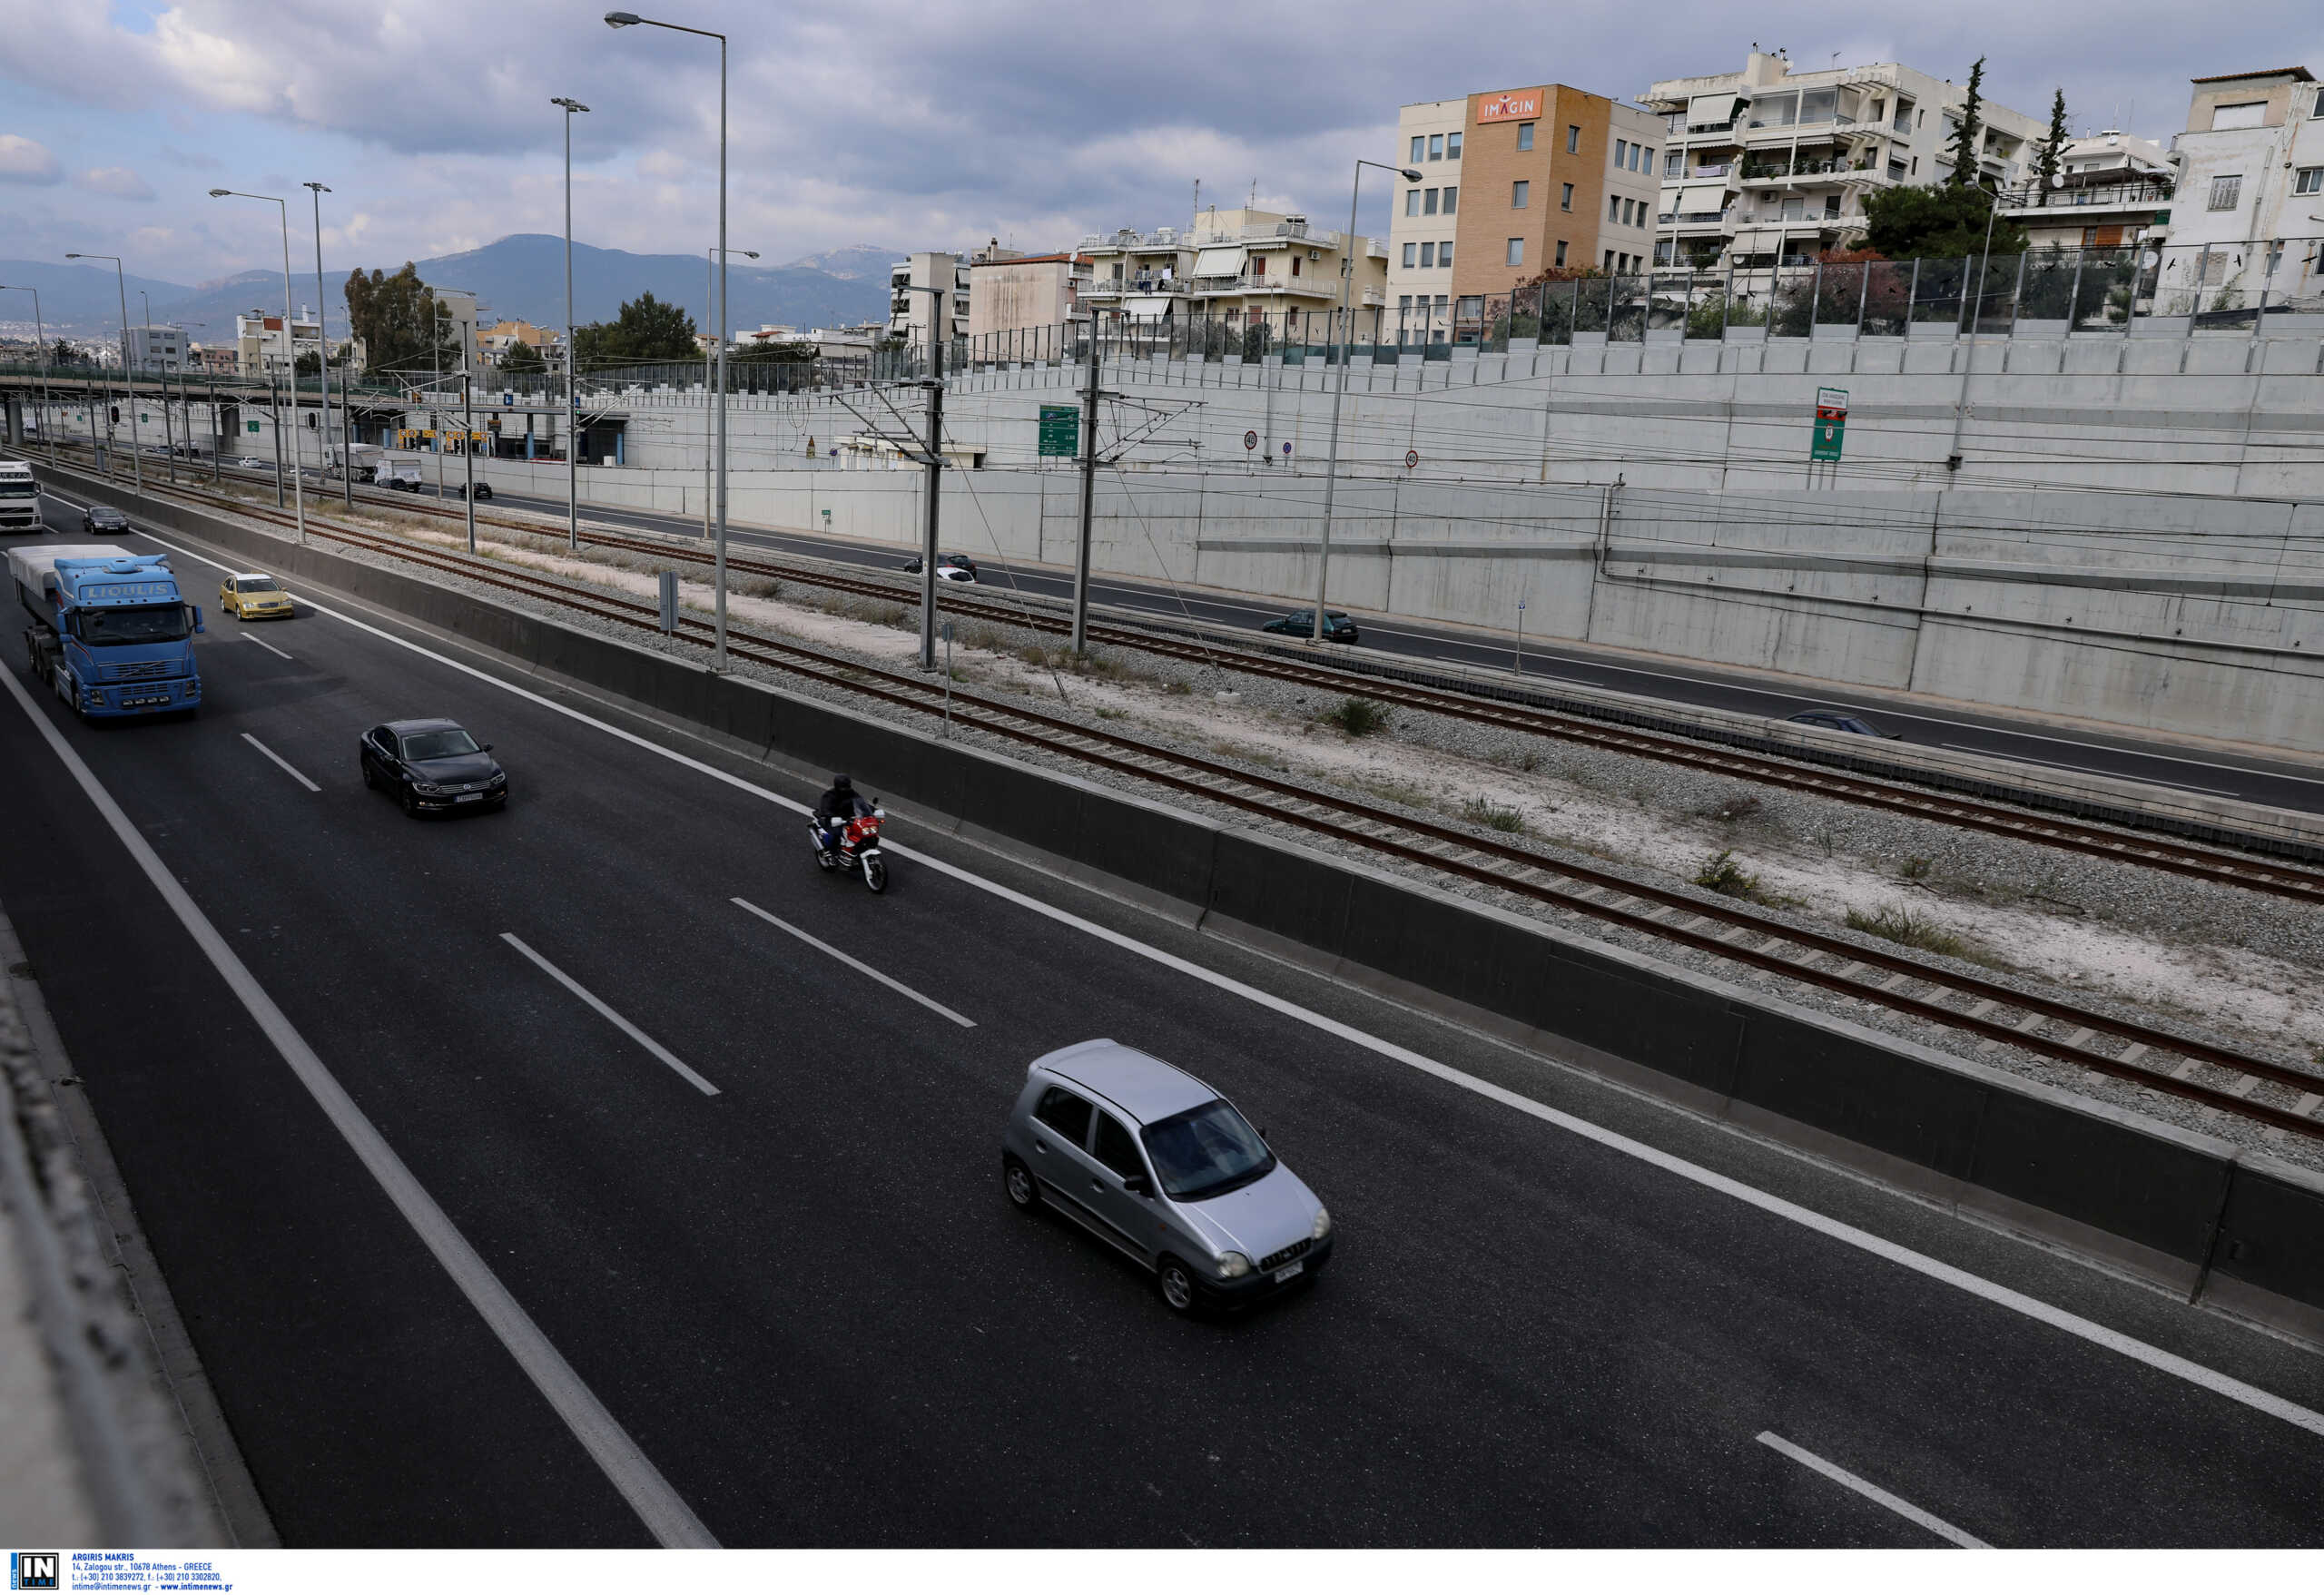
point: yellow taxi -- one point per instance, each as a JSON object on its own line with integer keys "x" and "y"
{"x": 252, "y": 596}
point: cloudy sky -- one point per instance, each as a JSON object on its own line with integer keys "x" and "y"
{"x": 906, "y": 124}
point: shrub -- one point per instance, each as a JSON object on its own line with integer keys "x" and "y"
{"x": 1909, "y": 928}
{"x": 1915, "y": 868}
{"x": 1722, "y": 874}
{"x": 1358, "y": 717}
{"x": 1481, "y": 812}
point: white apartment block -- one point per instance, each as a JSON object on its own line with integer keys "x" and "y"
{"x": 2115, "y": 185}
{"x": 1422, "y": 231}
{"x": 158, "y": 349}
{"x": 2246, "y": 226}
{"x": 262, "y": 346}
{"x": 1770, "y": 164}
{"x": 915, "y": 317}
{"x": 1137, "y": 276}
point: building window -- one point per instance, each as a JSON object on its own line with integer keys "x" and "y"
{"x": 1420, "y": 149}
{"x": 1451, "y": 146}
{"x": 1573, "y": 141}
{"x": 1405, "y": 301}
{"x": 1436, "y": 146}
{"x": 1428, "y": 255}
{"x": 1444, "y": 252}
{"x": 1621, "y": 153}
{"x": 1430, "y": 208}
{"x": 2308, "y": 180}
{"x": 1671, "y": 164}
{"x": 1561, "y": 251}
{"x": 1614, "y": 208}
{"x": 1525, "y": 131}
{"x": 1451, "y": 196}
{"x": 1565, "y": 200}
{"x": 1516, "y": 251}
{"x": 1610, "y": 262}
{"x": 2249, "y": 113}
{"x": 1294, "y": 265}
{"x": 1648, "y": 164}
{"x": 1411, "y": 202}
{"x": 1410, "y": 251}
{"x": 2225, "y": 190}
{"x": 1520, "y": 192}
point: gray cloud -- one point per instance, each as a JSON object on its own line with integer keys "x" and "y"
{"x": 23, "y": 159}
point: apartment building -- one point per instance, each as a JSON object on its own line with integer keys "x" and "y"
{"x": 1514, "y": 183}
{"x": 1138, "y": 276}
{"x": 496, "y": 340}
{"x": 1260, "y": 266}
{"x": 1768, "y": 165}
{"x": 156, "y": 349}
{"x": 2248, "y": 220}
{"x": 2115, "y": 187}
{"x": 918, "y": 318}
{"x": 262, "y": 347}
{"x": 1010, "y": 291}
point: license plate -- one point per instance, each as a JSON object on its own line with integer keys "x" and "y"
{"x": 1281, "y": 1274}
{"x": 469, "y": 797}
{"x": 144, "y": 703}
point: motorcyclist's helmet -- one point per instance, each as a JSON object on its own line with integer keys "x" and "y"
{"x": 841, "y": 783}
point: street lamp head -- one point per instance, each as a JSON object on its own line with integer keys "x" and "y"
{"x": 570, "y": 106}
{"x": 1408, "y": 174}
{"x": 220, "y": 193}
{"x": 71, "y": 255}
{"x": 318, "y": 187}
{"x": 753, "y": 254}
{"x": 622, "y": 19}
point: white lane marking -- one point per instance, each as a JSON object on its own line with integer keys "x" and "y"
{"x": 859, "y": 967}
{"x": 610, "y": 1017}
{"x": 2137, "y": 1351}
{"x": 631, "y": 1472}
{"x": 262, "y": 643}
{"x": 280, "y": 760}
{"x": 1871, "y": 1492}
{"x": 2116, "y": 774}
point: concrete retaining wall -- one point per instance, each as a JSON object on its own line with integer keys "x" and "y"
{"x": 2236, "y": 1228}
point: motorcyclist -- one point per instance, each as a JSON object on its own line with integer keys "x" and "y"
{"x": 835, "y": 808}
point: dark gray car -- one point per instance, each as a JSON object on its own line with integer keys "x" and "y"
{"x": 1157, "y": 1164}
{"x": 432, "y": 766}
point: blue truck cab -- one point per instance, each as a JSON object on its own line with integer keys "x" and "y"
{"x": 112, "y": 635}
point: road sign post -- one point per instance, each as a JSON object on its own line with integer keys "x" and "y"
{"x": 1830, "y": 432}
{"x": 1061, "y": 431}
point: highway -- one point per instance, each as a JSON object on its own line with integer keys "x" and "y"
{"x": 2286, "y": 783}
{"x": 804, "y": 1299}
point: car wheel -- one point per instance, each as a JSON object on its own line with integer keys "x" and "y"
{"x": 411, "y": 802}
{"x": 1024, "y": 1191}
{"x": 370, "y": 781}
{"x": 1175, "y": 1281}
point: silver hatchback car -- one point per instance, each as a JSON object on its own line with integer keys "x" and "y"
{"x": 1148, "y": 1158}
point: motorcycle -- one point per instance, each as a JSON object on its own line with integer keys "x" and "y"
{"x": 859, "y": 845}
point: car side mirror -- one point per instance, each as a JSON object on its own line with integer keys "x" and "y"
{"x": 488, "y": 747}
{"x": 1138, "y": 1185}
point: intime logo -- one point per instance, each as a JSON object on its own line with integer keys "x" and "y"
{"x": 32, "y": 1570}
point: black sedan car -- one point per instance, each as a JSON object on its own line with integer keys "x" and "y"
{"x": 103, "y": 517}
{"x": 483, "y": 491}
{"x": 1841, "y": 720}
{"x": 1301, "y": 623}
{"x": 949, "y": 567}
{"x": 432, "y": 766}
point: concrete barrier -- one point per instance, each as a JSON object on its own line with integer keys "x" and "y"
{"x": 2195, "y": 1214}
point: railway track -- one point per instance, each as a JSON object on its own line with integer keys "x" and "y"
{"x": 2196, "y": 861}
{"x": 2222, "y": 1079}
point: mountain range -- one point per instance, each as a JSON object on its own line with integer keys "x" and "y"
{"x": 520, "y": 277}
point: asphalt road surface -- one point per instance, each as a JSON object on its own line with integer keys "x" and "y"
{"x": 805, "y": 1299}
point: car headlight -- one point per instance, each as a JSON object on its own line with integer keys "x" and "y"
{"x": 1233, "y": 1265}
{"x": 499, "y": 778}
{"x": 1322, "y": 1224}
{"x": 429, "y": 787}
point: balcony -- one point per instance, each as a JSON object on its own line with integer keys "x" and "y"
{"x": 2080, "y": 202}
{"x": 1692, "y": 219}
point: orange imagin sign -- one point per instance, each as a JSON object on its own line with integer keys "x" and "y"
{"x": 1516, "y": 105}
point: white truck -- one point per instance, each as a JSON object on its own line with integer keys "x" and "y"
{"x": 19, "y": 498}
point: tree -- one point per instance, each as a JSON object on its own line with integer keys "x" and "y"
{"x": 1969, "y": 133}
{"x": 2052, "y": 148}
{"x": 770, "y": 352}
{"x": 1942, "y": 219}
{"x": 395, "y": 318}
{"x": 307, "y": 364}
{"x": 521, "y": 359}
{"x": 64, "y": 354}
{"x": 647, "y": 330}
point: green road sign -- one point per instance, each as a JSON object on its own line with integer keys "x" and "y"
{"x": 1828, "y": 438}
{"x": 1061, "y": 431}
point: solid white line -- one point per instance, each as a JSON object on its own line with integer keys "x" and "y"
{"x": 856, "y": 964}
{"x": 664, "y": 1512}
{"x": 1871, "y": 1492}
{"x": 2114, "y": 775}
{"x": 270, "y": 647}
{"x": 279, "y": 759}
{"x": 2099, "y": 1335}
{"x": 619, "y": 1023}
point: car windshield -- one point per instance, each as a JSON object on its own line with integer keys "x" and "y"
{"x": 17, "y": 487}
{"x": 1206, "y": 1151}
{"x": 437, "y": 744}
{"x": 113, "y": 628}
{"x": 255, "y": 584}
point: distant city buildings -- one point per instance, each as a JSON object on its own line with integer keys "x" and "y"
{"x": 495, "y": 341}
{"x": 1246, "y": 264}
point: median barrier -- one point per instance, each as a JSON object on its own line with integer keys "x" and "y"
{"x": 2239, "y": 1229}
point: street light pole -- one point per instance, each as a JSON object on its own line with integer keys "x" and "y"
{"x": 322, "y": 354}
{"x": 709, "y": 293}
{"x": 938, "y": 331}
{"x": 136, "y": 455}
{"x": 47, "y": 419}
{"x": 572, "y": 405}
{"x": 1339, "y": 388}
{"x": 169, "y": 437}
{"x": 622, "y": 19}
{"x": 290, "y": 346}
{"x": 1976, "y": 307}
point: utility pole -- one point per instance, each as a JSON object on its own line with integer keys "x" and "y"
{"x": 467, "y": 446}
{"x": 274, "y": 399}
{"x": 1088, "y": 497}
{"x": 935, "y": 482}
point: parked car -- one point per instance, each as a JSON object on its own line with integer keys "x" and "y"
{"x": 1841, "y": 720}
{"x": 248, "y": 462}
{"x": 1155, "y": 1163}
{"x": 483, "y": 491}
{"x": 103, "y": 517}
{"x": 949, "y": 567}
{"x": 252, "y": 596}
{"x": 432, "y": 766}
{"x": 1301, "y": 623}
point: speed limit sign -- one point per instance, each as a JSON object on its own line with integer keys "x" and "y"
{"x": 1250, "y": 440}
{"x": 1412, "y": 458}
